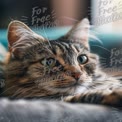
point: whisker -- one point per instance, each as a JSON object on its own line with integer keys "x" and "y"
{"x": 103, "y": 63}
{"x": 69, "y": 18}
{"x": 11, "y": 19}
{"x": 24, "y": 17}
{"x": 101, "y": 47}
{"x": 92, "y": 36}
{"x": 102, "y": 57}
{"x": 94, "y": 30}
{"x": 26, "y": 22}
{"x": 103, "y": 60}
{"x": 16, "y": 92}
{"x": 7, "y": 90}
{"x": 46, "y": 36}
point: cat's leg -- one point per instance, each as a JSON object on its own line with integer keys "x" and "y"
{"x": 113, "y": 98}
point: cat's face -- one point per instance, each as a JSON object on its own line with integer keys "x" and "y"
{"x": 50, "y": 67}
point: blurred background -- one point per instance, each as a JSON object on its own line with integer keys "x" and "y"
{"x": 25, "y": 10}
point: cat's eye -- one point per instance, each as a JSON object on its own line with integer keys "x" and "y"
{"x": 82, "y": 59}
{"x": 50, "y": 62}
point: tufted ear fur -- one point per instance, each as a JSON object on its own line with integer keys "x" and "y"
{"x": 80, "y": 31}
{"x": 21, "y": 36}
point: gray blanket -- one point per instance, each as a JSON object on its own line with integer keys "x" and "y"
{"x": 46, "y": 111}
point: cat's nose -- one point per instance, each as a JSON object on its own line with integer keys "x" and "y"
{"x": 76, "y": 75}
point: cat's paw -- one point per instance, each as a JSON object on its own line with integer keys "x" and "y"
{"x": 113, "y": 99}
{"x": 68, "y": 99}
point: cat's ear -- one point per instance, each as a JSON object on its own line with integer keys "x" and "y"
{"x": 80, "y": 31}
{"x": 21, "y": 36}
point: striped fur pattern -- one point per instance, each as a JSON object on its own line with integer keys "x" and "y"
{"x": 3, "y": 58}
{"x": 58, "y": 69}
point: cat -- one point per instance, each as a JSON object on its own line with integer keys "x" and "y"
{"x": 3, "y": 56}
{"x": 61, "y": 69}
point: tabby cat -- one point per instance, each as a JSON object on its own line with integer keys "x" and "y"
{"x": 62, "y": 69}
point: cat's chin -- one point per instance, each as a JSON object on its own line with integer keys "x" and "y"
{"x": 84, "y": 81}
{"x": 80, "y": 89}
{"x": 82, "y": 86}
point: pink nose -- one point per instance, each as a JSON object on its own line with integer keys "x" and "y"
{"x": 76, "y": 75}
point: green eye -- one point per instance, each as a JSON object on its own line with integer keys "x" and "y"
{"x": 82, "y": 59}
{"x": 50, "y": 62}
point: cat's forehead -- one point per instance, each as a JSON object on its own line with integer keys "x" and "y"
{"x": 58, "y": 49}
{"x": 68, "y": 46}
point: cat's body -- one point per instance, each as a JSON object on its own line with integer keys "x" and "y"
{"x": 59, "y": 69}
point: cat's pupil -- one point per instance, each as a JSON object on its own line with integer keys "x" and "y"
{"x": 82, "y": 59}
{"x": 50, "y": 62}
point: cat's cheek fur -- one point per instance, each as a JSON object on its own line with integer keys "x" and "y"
{"x": 80, "y": 89}
{"x": 83, "y": 85}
